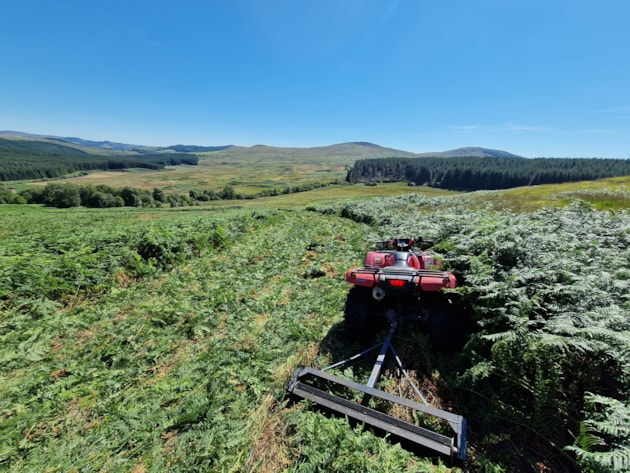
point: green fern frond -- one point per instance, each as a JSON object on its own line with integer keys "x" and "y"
{"x": 614, "y": 460}
{"x": 616, "y": 420}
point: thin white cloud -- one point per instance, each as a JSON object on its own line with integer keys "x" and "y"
{"x": 464, "y": 127}
{"x": 620, "y": 110}
{"x": 527, "y": 128}
{"x": 502, "y": 128}
{"x": 597, "y": 131}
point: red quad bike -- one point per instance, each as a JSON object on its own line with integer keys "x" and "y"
{"x": 396, "y": 285}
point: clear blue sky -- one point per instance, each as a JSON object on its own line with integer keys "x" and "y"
{"x": 532, "y": 77}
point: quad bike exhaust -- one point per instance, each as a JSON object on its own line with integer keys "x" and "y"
{"x": 307, "y": 383}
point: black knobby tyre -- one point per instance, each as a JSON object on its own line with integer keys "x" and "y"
{"x": 450, "y": 323}
{"x": 361, "y": 314}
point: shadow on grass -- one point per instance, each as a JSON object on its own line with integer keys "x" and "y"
{"x": 443, "y": 333}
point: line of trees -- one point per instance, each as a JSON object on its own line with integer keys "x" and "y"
{"x": 477, "y": 173}
{"x": 47, "y": 162}
{"x": 100, "y": 196}
{"x": 103, "y": 196}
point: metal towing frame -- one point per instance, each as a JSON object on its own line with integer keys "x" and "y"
{"x": 301, "y": 386}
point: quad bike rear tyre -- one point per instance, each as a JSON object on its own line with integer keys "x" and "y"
{"x": 362, "y": 315}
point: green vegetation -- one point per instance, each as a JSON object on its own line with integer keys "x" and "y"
{"x": 163, "y": 339}
{"x": 140, "y": 335}
{"x": 64, "y": 196}
{"x": 548, "y": 366}
{"x": 603, "y": 194}
{"x": 264, "y": 171}
{"x": 248, "y": 170}
{"x": 477, "y": 173}
{"x": 21, "y": 160}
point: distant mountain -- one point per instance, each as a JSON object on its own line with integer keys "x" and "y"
{"x": 110, "y": 145}
{"x": 113, "y": 146}
{"x": 23, "y": 135}
{"x": 471, "y": 151}
{"x": 103, "y": 145}
{"x": 345, "y": 152}
{"x": 30, "y": 145}
{"x": 196, "y": 149}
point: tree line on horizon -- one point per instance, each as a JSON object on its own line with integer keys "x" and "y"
{"x": 48, "y": 161}
{"x": 484, "y": 173}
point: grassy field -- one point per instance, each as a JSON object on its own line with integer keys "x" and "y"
{"x": 604, "y": 194}
{"x": 246, "y": 178}
{"x": 248, "y": 170}
{"x": 163, "y": 341}
{"x": 149, "y": 340}
{"x": 612, "y": 194}
{"x": 252, "y": 170}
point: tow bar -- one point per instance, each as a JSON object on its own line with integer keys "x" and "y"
{"x": 304, "y": 385}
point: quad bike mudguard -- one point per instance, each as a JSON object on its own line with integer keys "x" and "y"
{"x": 423, "y": 279}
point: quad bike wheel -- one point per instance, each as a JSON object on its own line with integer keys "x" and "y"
{"x": 363, "y": 315}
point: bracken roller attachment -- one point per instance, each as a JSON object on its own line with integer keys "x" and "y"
{"x": 395, "y": 285}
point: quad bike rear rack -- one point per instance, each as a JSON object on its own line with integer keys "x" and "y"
{"x": 303, "y": 382}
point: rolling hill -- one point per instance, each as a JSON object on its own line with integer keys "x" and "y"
{"x": 98, "y": 145}
{"x": 471, "y": 151}
{"x": 345, "y": 153}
